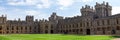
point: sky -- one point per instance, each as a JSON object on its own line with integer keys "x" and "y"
{"x": 42, "y": 9}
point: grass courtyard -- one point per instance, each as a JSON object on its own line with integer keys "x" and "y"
{"x": 54, "y": 37}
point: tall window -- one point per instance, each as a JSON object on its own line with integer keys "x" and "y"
{"x": 0, "y": 27}
{"x": 25, "y": 28}
{"x": 98, "y": 23}
{"x": 90, "y": 23}
{"x": 30, "y": 28}
{"x": 17, "y": 28}
{"x": 117, "y": 21}
{"x": 12, "y": 27}
{"x": 108, "y": 22}
{"x": 77, "y": 25}
{"x": 103, "y": 22}
{"x": 80, "y": 24}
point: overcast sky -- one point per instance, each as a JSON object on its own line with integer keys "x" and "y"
{"x": 40, "y": 9}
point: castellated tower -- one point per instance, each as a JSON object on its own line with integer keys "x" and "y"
{"x": 3, "y": 19}
{"x": 54, "y": 17}
{"x": 29, "y": 19}
{"x": 103, "y": 10}
{"x": 87, "y": 10}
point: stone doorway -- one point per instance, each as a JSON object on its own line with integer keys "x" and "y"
{"x": 88, "y": 31}
{"x": 51, "y": 31}
{"x": 113, "y": 32}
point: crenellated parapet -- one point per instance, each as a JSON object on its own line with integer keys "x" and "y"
{"x": 103, "y": 5}
{"x": 103, "y": 9}
{"x": 86, "y": 10}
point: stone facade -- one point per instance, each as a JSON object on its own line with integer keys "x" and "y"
{"x": 93, "y": 21}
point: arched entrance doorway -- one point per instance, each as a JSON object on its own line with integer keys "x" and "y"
{"x": 88, "y": 31}
{"x": 113, "y": 32}
{"x": 51, "y": 31}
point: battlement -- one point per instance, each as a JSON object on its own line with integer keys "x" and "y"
{"x": 86, "y": 10}
{"x": 104, "y": 4}
{"x": 103, "y": 9}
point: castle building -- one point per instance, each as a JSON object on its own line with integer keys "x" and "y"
{"x": 93, "y": 21}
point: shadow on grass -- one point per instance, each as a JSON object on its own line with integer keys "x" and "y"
{"x": 116, "y": 36}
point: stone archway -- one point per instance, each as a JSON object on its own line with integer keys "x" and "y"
{"x": 113, "y": 31}
{"x": 88, "y": 31}
{"x": 51, "y": 31}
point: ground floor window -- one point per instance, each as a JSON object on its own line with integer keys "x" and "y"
{"x": 103, "y": 30}
{"x": 118, "y": 27}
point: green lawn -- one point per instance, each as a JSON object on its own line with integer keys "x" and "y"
{"x": 54, "y": 37}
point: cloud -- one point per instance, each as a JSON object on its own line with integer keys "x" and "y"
{"x": 45, "y": 4}
{"x": 2, "y": 10}
{"x": 64, "y": 3}
{"x": 23, "y": 2}
{"x": 42, "y": 16}
{"x": 37, "y": 3}
{"x": 115, "y": 10}
{"x": 37, "y": 14}
{"x": 85, "y": 1}
{"x": 16, "y": 2}
{"x": 31, "y": 12}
